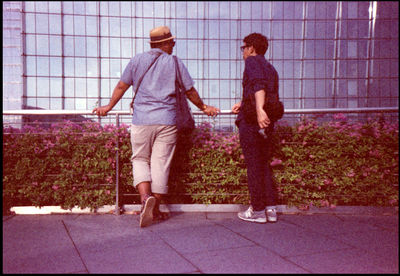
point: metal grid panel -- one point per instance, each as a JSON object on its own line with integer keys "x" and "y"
{"x": 327, "y": 54}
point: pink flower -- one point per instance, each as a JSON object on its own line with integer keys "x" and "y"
{"x": 324, "y": 203}
{"x": 276, "y": 162}
{"x": 375, "y": 153}
{"x": 339, "y": 116}
{"x": 55, "y": 187}
{"x": 351, "y": 173}
{"x": 393, "y": 201}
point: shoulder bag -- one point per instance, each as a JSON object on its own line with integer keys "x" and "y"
{"x": 184, "y": 118}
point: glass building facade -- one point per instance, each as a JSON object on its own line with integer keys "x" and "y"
{"x": 70, "y": 55}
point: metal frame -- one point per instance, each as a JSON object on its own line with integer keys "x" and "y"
{"x": 238, "y": 15}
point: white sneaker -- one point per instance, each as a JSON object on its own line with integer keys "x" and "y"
{"x": 271, "y": 215}
{"x": 253, "y": 216}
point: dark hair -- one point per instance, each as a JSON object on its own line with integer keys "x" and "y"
{"x": 160, "y": 44}
{"x": 258, "y": 41}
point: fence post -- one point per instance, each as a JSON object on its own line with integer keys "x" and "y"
{"x": 117, "y": 190}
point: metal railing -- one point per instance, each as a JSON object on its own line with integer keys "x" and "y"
{"x": 223, "y": 112}
{"x": 118, "y": 114}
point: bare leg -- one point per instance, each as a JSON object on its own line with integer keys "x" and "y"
{"x": 144, "y": 189}
{"x": 158, "y": 215}
{"x": 148, "y": 203}
{"x": 158, "y": 201}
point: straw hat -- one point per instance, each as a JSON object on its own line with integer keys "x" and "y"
{"x": 160, "y": 34}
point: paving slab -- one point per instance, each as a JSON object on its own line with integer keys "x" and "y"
{"x": 345, "y": 261}
{"x": 243, "y": 260}
{"x": 115, "y": 244}
{"x": 38, "y": 244}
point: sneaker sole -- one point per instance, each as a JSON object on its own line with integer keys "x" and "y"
{"x": 253, "y": 220}
{"x": 272, "y": 220}
{"x": 146, "y": 217}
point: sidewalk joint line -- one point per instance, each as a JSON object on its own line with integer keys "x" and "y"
{"x": 76, "y": 248}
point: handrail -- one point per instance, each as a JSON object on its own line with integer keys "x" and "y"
{"x": 223, "y": 112}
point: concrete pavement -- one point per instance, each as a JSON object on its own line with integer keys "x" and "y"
{"x": 201, "y": 242}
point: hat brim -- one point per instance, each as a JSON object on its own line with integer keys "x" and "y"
{"x": 162, "y": 40}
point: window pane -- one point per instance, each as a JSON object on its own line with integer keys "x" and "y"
{"x": 80, "y": 67}
{"x": 92, "y": 67}
{"x": 31, "y": 86}
{"x": 55, "y": 24}
{"x": 43, "y": 66}
{"x": 42, "y": 23}
{"x": 43, "y": 87}
{"x": 80, "y": 46}
{"x": 55, "y": 67}
{"x": 92, "y": 47}
{"x": 56, "y": 87}
{"x": 68, "y": 25}
{"x": 55, "y": 45}
{"x": 91, "y": 25}
{"x": 30, "y": 44}
{"x": 42, "y": 43}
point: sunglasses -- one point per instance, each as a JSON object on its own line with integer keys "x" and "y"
{"x": 244, "y": 47}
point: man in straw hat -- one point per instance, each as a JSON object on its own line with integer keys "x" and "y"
{"x": 153, "y": 129}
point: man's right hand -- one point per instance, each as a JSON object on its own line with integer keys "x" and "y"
{"x": 102, "y": 110}
{"x": 211, "y": 110}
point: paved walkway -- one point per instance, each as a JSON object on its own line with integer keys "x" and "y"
{"x": 200, "y": 243}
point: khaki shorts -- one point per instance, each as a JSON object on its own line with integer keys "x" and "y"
{"x": 153, "y": 148}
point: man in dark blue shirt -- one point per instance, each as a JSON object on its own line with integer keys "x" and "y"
{"x": 260, "y": 79}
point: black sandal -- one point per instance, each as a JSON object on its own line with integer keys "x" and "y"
{"x": 160, "y": 216}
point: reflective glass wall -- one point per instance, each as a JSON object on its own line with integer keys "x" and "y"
{"x": 327, "y": 54}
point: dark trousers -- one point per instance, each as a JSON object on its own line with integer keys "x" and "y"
{"x": 256, "y": 151}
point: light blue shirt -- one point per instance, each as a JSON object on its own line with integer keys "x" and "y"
{"x": 155, "y": 101}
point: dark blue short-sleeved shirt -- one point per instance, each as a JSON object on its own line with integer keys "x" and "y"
{"x": 258, "y": 74}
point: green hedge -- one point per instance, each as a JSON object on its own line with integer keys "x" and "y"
{"x": 327, "y": 164}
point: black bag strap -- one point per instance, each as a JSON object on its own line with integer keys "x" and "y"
{"x": 178, "y": 74}
{"x": 140, "y": 80}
